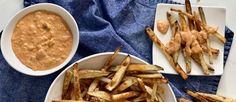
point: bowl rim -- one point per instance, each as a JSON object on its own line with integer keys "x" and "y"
{"x": 96, "y": 55}
{"x": 75, "y": 40}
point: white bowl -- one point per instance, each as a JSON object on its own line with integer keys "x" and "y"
{"x": 95, "y": 62}
{"x": 6, "y": 45}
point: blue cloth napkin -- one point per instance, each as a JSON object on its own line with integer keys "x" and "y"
{"x": 104, "y": 25}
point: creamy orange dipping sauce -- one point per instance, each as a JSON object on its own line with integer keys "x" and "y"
{"x": 41, "y": 40}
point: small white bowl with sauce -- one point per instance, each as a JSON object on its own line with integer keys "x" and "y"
{"x": 6, "y": 39}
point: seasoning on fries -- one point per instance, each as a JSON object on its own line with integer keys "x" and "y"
{"x": 114, "y": 83}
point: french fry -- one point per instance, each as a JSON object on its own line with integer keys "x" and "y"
{"x": 158, "y": 75}
{"x": 140, "y": 98}
{"x": 172, "y": 20}
{"x": 197, "y": 60}
{"x": 158, "y": 43}
{"x": 119, "y": 74}
{"x": 149, "y": 91}
{"x": 105, "y": 79}
{"x": 216, "y": 97}
{"x": 67, "y": 80}
{"x": 154, "y": 91}
{"x": 197, "y": 25}
{"x": 109, "y": 61}
{"x": 203, "y": 18}
{"x": 198, "y": 97}
{"x": 93, "y": 85}
{"x": 101, "y": 94}
{"x": 205, "y": 27}
{"x": 183, "y": 100}
{"x": 139, "y": 67}
{"x": 185, "y": 28}
{"x": 203, "y": 64}
{"x": 77, "y": 90}
{"x": 86, "y": 74}
{"x": 126, "y": 84}
{"x": 189, "y": 10}
{"x": 125, "y": 95}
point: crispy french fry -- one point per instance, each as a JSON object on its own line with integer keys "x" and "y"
{"x": 197, "y": 25}
{"x": 189, "y": 10}
{"x": 150, "y": 81}
{"x": 77, "y": 90}
{"x": 172, "y": 20}
{"x": 154, "y": 91}
{"x": 158, "y": 43}
{"x": 85, "y": 74}
{"x": 198, "y": 97}
{"x": 67, "y": 79}
{"x": 197, "y": 60}
{"x": 109, "y": 61}
{"x": 119, "y": 74}
{"x": 105, "y": 79}
{"x": 203, "y": 18}
{"x": 139, "y": 67}
{"x": 185, "y": 28}
{"x": 126, "y": 84}
{"x": 203, "y": 64}
{"x": 125, "y": 95}
{"x": 93, "y": 85}
{"x": 183, "y": 100}
{"x": 149, "y": 75}
{"x": 216, "y": 97}
{"x": 101, "y": 94}
{"x": 141, "y": 84}
{"x": 149, "y": 91}
{"x": 140, "y": 98}
{"x": 205, "y": 27}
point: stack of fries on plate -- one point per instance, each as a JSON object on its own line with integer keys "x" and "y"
{"x": 127, "y": 82}
{"x": 192, "y": 36}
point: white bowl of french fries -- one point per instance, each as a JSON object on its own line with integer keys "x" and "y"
{"x": 110, "y": 76}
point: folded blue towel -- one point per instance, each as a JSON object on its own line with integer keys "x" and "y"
{"x": 104, "y": 25}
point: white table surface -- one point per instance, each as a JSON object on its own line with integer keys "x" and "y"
{"x": 227, "y": 83}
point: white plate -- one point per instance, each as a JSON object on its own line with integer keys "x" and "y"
{"x": 215, "y": 17}
{"x": 95, "y": 62}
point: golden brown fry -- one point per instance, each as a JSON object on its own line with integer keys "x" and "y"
{"x": 105, "y": 79}
{"x": 205, "y": 27}
{"x": 93, "y": 85}
{"x": 119, "y": 74}
{"x": 216, "y": 97}
{"x": 139, "y": 67}
{"x": 172, "y": 20}
{"x": 109, "y": 61}
{"x": 67, "y": 79}
{"x": 77, "y": 90}
{"x": 85, "y": 74}
{"x": 203, "y": 18}
{"x": 101, "y": 94}
{"x": 126, "y": 84}
{"x": 197, "y": 60}
{"x": 185, "y": 28}
{"x": 149, "y": 75}
{"x": 189, "y": 10}
{"x": 154, "y": 91}
{"x": 197, "y": 25}
{"x": 151, "y": 81}
{"x": 203, "y": 64}
{"x": 183, "y": 100}
{"x": 198, "y": 97}
{"x": 125, "y": 95}
{"x": 158, "y": 43}
{"x": 140, "y": 98}
{"x": 149, "y": 91}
